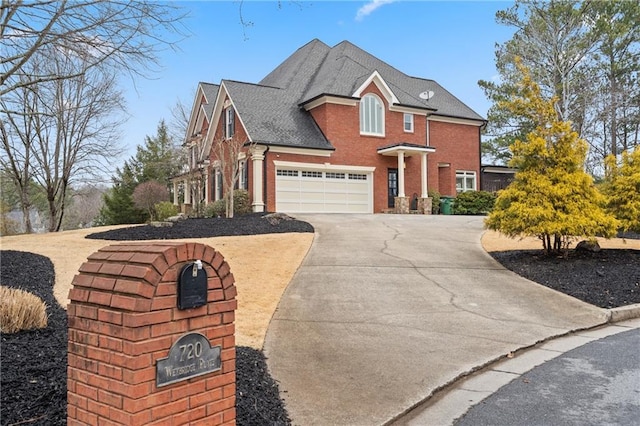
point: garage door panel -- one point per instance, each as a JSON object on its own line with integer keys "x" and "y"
{"x": 313, "y": 191}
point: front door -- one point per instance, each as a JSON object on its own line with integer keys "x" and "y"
{"x": 393, "y": 187}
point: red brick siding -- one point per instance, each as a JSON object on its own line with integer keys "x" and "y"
{"x": 457, "y": 144}
{"x": 240, "y": 133}
{"x": 119, "y": 326}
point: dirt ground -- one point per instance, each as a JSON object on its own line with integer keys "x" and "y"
{"x": 262, "y": 265}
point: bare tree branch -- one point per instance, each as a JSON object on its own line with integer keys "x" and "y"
{"x": 66, "y": 131}
{"x": 122, "y": 35}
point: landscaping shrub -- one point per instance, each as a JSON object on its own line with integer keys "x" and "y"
{"x": 165, "y": 210}
{"x": 474, "y": 202}
{"x": 435, "y": 202}
{"x": 241, "y": 204}
{"x": 148, "y": 194}
{"x": 21, "y": 310}
{"x": 216, "y": 209}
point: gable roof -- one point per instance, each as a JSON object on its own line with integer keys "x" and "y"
{"x": 210, "y": 93}
{"x": 346, "y": 67}
{"x": 272, "y": 112}
{"x": 271, "y": 116}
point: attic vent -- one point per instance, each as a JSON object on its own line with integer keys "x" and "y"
{"x": 426, "y": 95}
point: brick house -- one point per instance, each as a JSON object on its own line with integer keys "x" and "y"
{"x": 333, "y": 129}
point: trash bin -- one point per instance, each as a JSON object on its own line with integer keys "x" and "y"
{"x": 446, "y": 205}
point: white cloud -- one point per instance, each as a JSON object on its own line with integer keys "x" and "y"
{"x": 368, "y": 8}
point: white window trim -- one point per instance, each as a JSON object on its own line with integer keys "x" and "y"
{"x": 229, "y": 112}
{"x": 382, "y": 115}
{"x": 464, "y": 174}
{"x": 410, "y": 122}
{"x": 218, "y": 183}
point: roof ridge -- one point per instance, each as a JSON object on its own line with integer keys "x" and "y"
{"x": 251, "y": 84}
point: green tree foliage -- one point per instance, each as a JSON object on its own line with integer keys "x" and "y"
{"x": 158, "y": 160}
{"x": 623, "y": 190}
{"x": 551, "y": 197}
{"x": 118, "y": 201}
{"x": 587, "y": 55}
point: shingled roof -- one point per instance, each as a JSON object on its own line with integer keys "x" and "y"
{"x": 271, "y": 110}
{"x": 210, "y": 93}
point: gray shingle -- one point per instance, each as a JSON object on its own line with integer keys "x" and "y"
{"x": 271, "y": 112}
{"x": 210, "y": 92}
{"x": 272, "y": 118}
{"x": 347, "y": 66}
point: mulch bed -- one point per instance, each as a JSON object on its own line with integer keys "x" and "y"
{"x": 250, "y": 224}
{"x": 33, "y": 367}
{"x": 34, "y": 363}
{"x": 608, "y": 278}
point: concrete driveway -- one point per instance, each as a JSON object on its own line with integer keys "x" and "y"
{"x": 386, "y": 309}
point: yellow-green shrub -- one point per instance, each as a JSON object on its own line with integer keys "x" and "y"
{"x": 551, "y": 196}
{"x": 165, "y": 210}
{"x": 21, "y": 310}
{"x": 623, "y": 190}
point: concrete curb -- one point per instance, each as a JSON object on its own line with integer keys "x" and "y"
{"x": 624, "y": 313}
{"x": 438, "y": 409}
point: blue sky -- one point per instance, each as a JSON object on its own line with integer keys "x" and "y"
{"x": 452, "y": 42}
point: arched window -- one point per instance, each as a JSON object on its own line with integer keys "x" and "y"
{"x": 371, "y": 115}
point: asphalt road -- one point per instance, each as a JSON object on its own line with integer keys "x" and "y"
{"x": 594, "y": 384}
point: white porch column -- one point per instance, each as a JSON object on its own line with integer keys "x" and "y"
{"x": 175, "y": 192}
{"x": 187, "y": 191}
{"x": 401, "y": 174}
{"x": 423, "y": 175}
{"x": 257, "y": 157}
{"x": 207, "y": 186}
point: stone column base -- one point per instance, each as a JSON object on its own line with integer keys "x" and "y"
{"x": 401, "y": 205}
{"x": 425, "y": 205}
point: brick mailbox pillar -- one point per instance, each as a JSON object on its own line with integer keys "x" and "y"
{"x": 152, "y": 337}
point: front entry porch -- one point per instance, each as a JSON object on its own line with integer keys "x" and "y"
{"x": 396, "y": 177}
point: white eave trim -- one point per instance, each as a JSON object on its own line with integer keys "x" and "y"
{"x": 498, "y": 170}
{"x": 455, "y": 120}
{"x": 327, "y": 99}
{"x": 408, "y": 150}
{"x": 300, "y": 151}
{"x": 410, "y": 110}
{"x": 377, "y": 79}
{"x": 325, "y": 166}
{"x": 217, "y": 114}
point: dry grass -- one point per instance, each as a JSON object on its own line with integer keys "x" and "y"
{"x": 262, "y": 265}
{"x": 495, "y": 241}
{"x": 21, "y": 310}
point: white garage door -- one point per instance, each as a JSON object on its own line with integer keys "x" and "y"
{"x": 302, "y": 190}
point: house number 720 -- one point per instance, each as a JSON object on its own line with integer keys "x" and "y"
{"x": 190, "y": 351}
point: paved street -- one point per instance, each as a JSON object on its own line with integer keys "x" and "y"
{"x": 594, "y": 384}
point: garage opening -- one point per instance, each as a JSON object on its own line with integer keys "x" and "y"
{"x": 304, "y": 190}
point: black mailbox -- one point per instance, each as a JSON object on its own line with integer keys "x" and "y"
{"x": 192, "y": 286}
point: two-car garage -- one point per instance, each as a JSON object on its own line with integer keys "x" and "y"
{"x": 323, "y": 188}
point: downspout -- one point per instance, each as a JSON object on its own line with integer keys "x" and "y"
{"x": 480, "y": 129}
